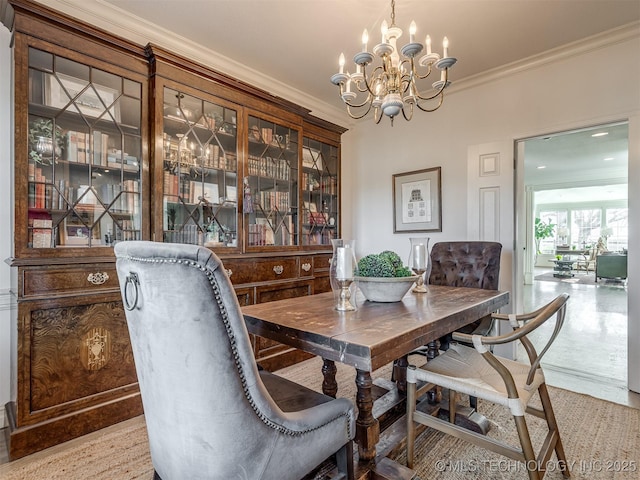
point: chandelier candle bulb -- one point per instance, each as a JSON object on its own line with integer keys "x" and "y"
{"x": 445, "y": 47}
{"x": 365, "y": 40}
{"x": 341, "y": 62}
{"x": 384, "y": 30}
{"x": 428, "y": 42}
{"x": 412, "y": 32}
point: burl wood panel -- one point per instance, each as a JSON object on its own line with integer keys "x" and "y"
{"x": 77, "y": 352}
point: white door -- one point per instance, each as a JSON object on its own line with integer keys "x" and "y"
{"x": 490, "y": 210}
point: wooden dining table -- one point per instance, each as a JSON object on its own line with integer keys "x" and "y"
{"x": 370, "y": 337}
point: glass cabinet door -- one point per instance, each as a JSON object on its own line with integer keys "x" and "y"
{"x": 200, "y": 186}
{"x": 84, "y": 154}
{"x": 320, "y": 207}
{"x": 270, "y": 188}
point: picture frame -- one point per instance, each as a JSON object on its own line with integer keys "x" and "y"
{"x": 88, "y": 103}
{"x": 417, "y": 201}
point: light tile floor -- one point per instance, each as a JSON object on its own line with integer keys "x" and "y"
{"x": 590, "y": 353}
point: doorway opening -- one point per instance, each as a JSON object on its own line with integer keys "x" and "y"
{"x": 575, "y": 183}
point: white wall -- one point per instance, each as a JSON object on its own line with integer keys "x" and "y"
{"x": 5, "y": 215}
{"x": 565, "y": 94}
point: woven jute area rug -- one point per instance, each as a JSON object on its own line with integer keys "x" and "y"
{"x": 601, "y": 439}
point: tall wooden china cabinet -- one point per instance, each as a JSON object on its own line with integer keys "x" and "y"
{"x": 116, "y": 142}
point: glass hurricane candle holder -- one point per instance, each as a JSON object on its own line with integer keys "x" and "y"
{"x": 420, "y": 262}
{"x": 341, "y": 273}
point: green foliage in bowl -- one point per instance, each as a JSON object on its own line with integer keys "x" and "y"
{"x": 385, "y": 264}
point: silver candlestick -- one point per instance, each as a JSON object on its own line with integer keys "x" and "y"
{"x": 344, "y": 299}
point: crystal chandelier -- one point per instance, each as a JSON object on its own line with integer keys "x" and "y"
{"x": 392, "y": 87}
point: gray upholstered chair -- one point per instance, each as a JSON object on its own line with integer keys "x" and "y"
{"x": 210, "y": 412}
{"x": 476, "y": 371}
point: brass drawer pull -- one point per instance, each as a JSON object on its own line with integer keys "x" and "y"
{"x": 278, "y": 269}
{"x": 306, "y": 267}
{"x": 98, "y": 278}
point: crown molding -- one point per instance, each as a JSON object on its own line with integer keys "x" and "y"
{"x": 596, "y": 42}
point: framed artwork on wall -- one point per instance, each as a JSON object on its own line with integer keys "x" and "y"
{"x": 417, "y": 201}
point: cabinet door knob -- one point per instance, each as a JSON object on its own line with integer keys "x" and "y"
{"x": 229, "y": 272}
{"x": 98, "y": 278}
{"x": 278, "y": 269}
{"x": 306, "y": 267}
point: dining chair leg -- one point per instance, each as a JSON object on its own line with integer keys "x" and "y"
{"x": 453, "y": 400}
{"x": 550, "y": 417}
{"x": 527, "y": 447}
{"x": 411, "y": 428}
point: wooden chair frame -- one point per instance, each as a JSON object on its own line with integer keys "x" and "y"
{"x": 522, "y": 325}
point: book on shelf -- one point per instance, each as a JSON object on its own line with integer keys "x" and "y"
{"x": 317, "y": 218}
{"x": 41, "y": 227}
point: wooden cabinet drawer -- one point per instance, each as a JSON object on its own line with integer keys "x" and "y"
{"x": 306, "y": 267}
{"x": 261, "y": 269}
{"x": 69, "y": 280}
{"x": 322, "y": 262}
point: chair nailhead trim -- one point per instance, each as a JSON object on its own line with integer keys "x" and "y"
{"x": 232, "y": 341}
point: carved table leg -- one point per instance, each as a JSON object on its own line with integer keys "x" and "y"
{"x": 329, "y": 384}
{"x": 367, "y": 426}
{"x": 400, "y": 374}
{"x": 435, "y": 394}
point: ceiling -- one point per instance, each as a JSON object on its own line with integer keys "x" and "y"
{"x": 297, "y": 42}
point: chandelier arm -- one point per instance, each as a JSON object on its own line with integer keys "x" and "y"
{"x": 360, "y": 105}
{"x": 375, "y": 115}
{"x": 431, "y": 109}
{"x": 404, "y": 114}
{"x": 373, "y": 75}
{"x": 361, "y": 89}
{"x": 356, "y": 116}
{"x": 439, "y": 92}
{"x": 435, "y": 95}
{"x": 422, "y": 77}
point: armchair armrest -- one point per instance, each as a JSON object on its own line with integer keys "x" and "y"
{"x": 531, "y": 321}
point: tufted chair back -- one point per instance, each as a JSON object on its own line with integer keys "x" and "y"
{"x": 472, "y": 264}
{"x": 207, "y": 410}
{"x": 466, "y": 264}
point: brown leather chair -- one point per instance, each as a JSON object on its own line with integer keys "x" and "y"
{"x": 473, "y": 264}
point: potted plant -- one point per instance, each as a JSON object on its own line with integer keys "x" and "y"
{"x": 542, "y": 230}
{"x": 382, "y": 277}
{"x": 41, "y": 146}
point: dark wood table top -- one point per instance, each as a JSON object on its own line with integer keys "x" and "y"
{"x": 376, "y": 333}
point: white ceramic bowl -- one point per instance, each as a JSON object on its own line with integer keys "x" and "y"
{"x": 385, "y": 289}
